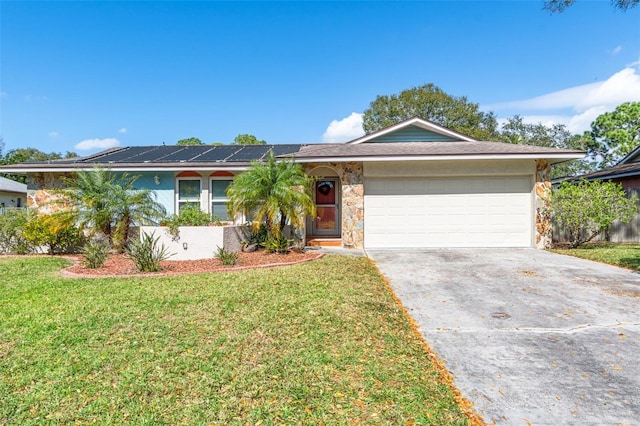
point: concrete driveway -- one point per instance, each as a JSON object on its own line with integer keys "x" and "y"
{"x": 529, "y": 336}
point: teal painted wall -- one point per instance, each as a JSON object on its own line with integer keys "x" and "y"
{"x": 413, "y": 134}
{"x": 164, "y": 192}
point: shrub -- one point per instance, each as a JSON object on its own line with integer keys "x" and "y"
{"x": 95, "y": 252}
{"x": 146, "y": 253}
{"x": 228, "y": 258}
{"x": 12, "y": 240}
{"x": 259, "y": 236}
{"x": 190, "y": 215}
{"x": 54, "y": 231}
{"x": 280, "y": 245}
{"x": 586, "y": 209}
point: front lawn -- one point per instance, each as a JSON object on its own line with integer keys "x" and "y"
{"x": 316, "y": 343}
{"x": 625, "y": 255}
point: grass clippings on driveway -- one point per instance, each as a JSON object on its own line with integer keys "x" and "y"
{"x": 316, "y": 343}
{"x": 624, "y": 255}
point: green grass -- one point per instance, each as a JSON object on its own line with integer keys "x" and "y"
{"x": 316, "y": 343}
{"x": 625, "y": 255}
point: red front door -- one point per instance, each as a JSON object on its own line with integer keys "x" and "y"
{"x": 327, "y": 220}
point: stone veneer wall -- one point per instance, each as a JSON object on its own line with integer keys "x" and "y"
{"x": 351, "y": 179}
{"x": 41, "y": 191}
{"x": 542, "y": 204}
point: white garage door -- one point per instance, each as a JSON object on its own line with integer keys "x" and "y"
{"x": 448, "y": 212}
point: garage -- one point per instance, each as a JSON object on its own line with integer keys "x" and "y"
{"x": 468, "y": 211}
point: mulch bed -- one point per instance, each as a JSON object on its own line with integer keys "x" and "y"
{"x": 118, "y": 265}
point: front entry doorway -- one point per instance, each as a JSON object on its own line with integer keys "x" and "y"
{"x": 327, "y": 199}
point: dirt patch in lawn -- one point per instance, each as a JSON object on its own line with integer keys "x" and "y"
{"x": 118, "y": 265}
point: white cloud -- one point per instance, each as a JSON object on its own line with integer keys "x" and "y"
{"x": 623, "y": 86}
{"x": 89, "y": 144}
{"x": 53, "y": 134}
{"x": 577, "y": 107}
{"x": 616, "y": 50}
{"x": 123, "y": 130}
{"x": 344, "y": 130}
{"x": 4, "y": 95}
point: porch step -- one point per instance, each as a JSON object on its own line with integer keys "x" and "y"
{"x": 324, "y": 242}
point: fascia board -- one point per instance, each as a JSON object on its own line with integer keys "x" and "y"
{"x": 614, "y": 176}
{"x": 629, "y": 156}
{"x": 121, "y": 169}
{"x": 559, "y": 157}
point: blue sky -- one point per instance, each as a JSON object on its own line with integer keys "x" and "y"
{"x": 82, "y": 76}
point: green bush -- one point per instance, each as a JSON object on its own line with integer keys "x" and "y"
{"x": 55, "y": 231}
{"x": 280, "y": 245}
{"x": 258, "y": 237}
{"x": 228, "y": 258}
{"x": 12, "y": 240}
{"x": 190, "y": 215}
{"x": 95, "y": 252}
{"x": 587, "y": 209}
{"x": 146, "y": 253}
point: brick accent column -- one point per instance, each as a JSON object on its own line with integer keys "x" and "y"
{"x": 542, "y": 204}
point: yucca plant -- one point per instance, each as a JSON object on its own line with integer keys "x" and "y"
{"x": 228, "y": 258}
{"x": 95, "y": 252}
{"x": 146, "y": 253}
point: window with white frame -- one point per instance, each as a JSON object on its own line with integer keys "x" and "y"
{"x": 188, "y": 192}
{"x": 219, "y": 199}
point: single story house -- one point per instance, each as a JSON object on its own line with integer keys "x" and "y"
{"x": 413, "y": 184}
{"x": 626, "y": 173}
{"x": 13, "y": 195}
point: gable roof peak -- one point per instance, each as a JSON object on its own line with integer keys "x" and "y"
{"x": 417, "y": 122}
{"x": 632, "y": 157}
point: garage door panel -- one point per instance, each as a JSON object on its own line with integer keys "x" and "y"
{"x": 453, "y": 212}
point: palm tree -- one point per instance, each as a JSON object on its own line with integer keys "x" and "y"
{"x": 275, "y": 193}
{"x": 109, "y": 203}
{"x": 89, "y": 191}
{"x": 129, "y": 206}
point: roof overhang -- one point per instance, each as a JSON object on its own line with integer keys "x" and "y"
{"x": 552, "y": 158}
{"x": 603, "y": 177}
{"x": 177, "y": 167}
{"x": 143, "y": 167}
{"x": 629, "y": 158}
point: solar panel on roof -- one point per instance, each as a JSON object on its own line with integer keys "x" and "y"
{"x": 130, "y": 154}
{"x": 217, "y": 153}
{"x": 250, "y": 152}
{"x": 186, "y": 153}
{"x": 285, "y": 149}
{"x": 161, "y": 152}
{"x": 198, "y": 153}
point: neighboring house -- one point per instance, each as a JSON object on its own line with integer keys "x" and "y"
{"x": 414, "y": 184}
{"x": 13, "y": 195}
{"x": 626, "y": 173}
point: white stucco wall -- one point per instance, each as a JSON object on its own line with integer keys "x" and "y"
{"x": 201, "y": 241}
{"x": 10, "y": 199}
